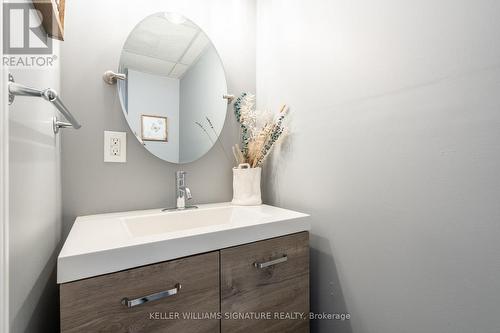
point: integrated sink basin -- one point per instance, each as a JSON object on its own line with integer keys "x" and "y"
{"x": 172, "y": 221}
{"x": 106, "y": 243}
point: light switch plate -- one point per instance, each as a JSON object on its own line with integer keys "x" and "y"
{"x": 115, "y": 147}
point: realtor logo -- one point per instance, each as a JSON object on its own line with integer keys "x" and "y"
{"x": 22, "y": 30}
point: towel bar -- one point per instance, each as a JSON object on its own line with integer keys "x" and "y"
{"x": 48, "y": 94}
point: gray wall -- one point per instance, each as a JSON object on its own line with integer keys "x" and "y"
{"x": 35, "y": 206}
{"x": 201, "y": 89}
{"x": 93, "y": 42}
{"x": 395, "y": 151}
{"x": 156, "y": 95}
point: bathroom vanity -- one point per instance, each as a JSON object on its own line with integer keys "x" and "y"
{"x": 211, "y": 268}
{"x": 218, "y": 268}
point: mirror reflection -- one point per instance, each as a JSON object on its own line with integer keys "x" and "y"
{"x": 172, "y": 95}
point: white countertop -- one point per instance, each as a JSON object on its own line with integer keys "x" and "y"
{"x": 106, "y": 243}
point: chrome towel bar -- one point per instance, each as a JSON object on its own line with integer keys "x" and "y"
{"x": 48, "y": 94}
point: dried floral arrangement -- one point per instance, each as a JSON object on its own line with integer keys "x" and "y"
{"x": 260, "y": 131}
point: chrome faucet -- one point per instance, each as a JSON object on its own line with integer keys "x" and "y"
{"x": 182, "y": 192}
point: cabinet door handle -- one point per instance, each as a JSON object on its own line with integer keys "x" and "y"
{"x": 273, "y": 262}
{"x": 129, "y": 303}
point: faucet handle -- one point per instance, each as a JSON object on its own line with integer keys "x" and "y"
{"x": 188, "y": 193}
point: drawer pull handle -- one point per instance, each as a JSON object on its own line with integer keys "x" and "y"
{"x": 129, "y": 303}
{"x": 261, "y": 265}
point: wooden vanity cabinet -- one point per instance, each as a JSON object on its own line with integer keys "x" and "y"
{"x": 95, "y": 304}
{"x": 269, "y": 277}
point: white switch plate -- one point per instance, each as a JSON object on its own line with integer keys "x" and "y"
{"x": 115, "y": 147}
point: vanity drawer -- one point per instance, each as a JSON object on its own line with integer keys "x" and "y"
{"x": 95, "y": 304}
{"x": 270, "y": 277}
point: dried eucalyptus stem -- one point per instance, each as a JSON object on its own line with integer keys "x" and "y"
{"x": 257, "y": 141}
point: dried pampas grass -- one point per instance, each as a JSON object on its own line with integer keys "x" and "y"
{"x": 259, "y": 131}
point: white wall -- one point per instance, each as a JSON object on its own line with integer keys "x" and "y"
{"x": 93, "y": 43}
{"x": 35, "y": 206}
{"x": 202, "y": 87}
{"x": 395, "y": 151}
{"x": 4, "y": 197}
{"x": 156, "y": 95}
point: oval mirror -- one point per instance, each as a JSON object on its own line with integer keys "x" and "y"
{"x": 172, "y": 96}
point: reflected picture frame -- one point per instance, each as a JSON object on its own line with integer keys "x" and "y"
{"x": 154, "y": 128}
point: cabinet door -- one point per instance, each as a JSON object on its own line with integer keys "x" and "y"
{"x": 183, "y": 286}
{"x": 270, "y": 278}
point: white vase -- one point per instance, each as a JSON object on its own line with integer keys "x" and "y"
{"x": 246, "y": 185}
